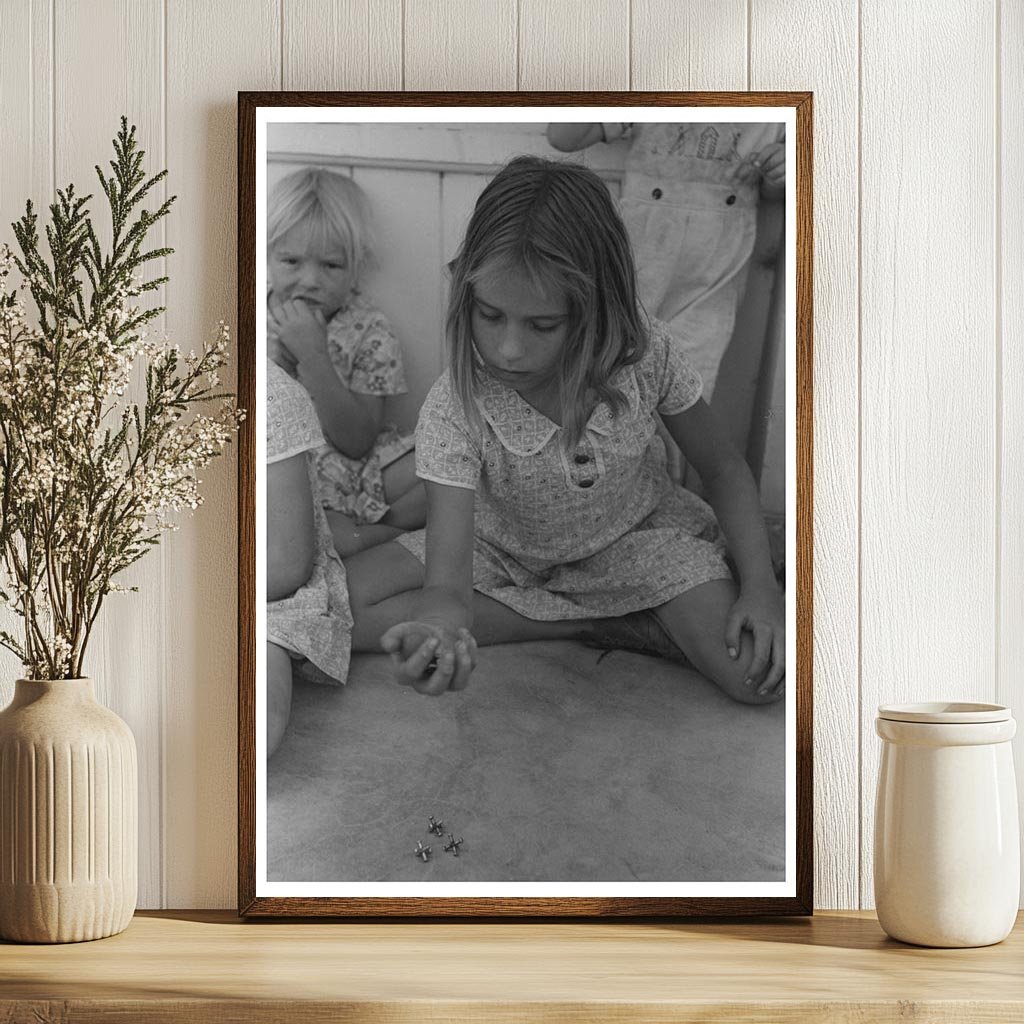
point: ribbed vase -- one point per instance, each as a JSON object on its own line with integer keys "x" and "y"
{"x": 68, "y": 815}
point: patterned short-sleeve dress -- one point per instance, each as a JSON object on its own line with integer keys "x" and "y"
{"x": 597, "y": 531}
{"x": 368, "y": 359}
{"x": 314, "y": 623}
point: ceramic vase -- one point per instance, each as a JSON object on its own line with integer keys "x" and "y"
{"x": 68, "y": 815}
{"x": 947, "y": 847}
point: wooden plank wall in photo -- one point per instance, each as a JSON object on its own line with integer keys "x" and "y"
{"x": 919, "y": 306}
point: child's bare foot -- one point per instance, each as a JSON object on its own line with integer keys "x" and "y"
{"x": 638, "y": 631}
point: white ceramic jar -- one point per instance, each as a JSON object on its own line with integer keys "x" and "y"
{"x": 947, "y": 846}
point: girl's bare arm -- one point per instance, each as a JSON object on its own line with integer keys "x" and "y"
{"x": 448, "y": 583}
{"x": 730, "y": 489}
{"x": 733, "y": 495}
{"x": 351, "y": 421}
{"x": 291, "y": 540}
{"x": 434, "y": 651}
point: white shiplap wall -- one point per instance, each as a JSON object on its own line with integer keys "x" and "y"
{"x": 919, "y": 306}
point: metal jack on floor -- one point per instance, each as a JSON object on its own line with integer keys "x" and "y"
{"x": 436, "y": 827}
{"x": 453, "y": 844}
{"x": 422, "y": 852}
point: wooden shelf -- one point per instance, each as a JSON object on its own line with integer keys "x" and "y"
{"x": 208, "y": 966}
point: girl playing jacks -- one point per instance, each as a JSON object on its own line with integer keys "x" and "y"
{"x": 550, "y": 511}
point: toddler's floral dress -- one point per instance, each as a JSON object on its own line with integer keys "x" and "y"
{"x": 368, "y": 359}
{"x": 314, "y": 624}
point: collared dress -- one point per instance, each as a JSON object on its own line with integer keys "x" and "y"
{"x": 594, "y": 532}
{"x": 313, "y": 624}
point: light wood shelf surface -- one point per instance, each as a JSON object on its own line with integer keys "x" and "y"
{"x": 208, "y": 966}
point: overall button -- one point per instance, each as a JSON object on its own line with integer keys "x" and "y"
{"x": 730, "y": 201}
{"x": 657, "y": 193}
{"x": 580, "y": 459}
{"x": 586, "y": 483}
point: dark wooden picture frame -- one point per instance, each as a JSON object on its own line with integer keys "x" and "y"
{"x": 799, "y": 589}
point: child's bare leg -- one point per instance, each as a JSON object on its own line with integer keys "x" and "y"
{"x": 279, "y": 695}
{"x": 496, "y": 623}
{"x": 350, "y": 537}
{"x": 399, "y": 477}
{"x": 383, "y": 584}
{"x": 405, "y": 493}
{"x": 696, "y": 622}
{"x": 408, "y": 512}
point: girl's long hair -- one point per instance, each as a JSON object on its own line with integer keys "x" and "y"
{"x": 333, "y": 206}
{"x": 557, "y": 222}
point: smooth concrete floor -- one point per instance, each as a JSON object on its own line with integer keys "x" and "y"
{"x": 552, "y": 765}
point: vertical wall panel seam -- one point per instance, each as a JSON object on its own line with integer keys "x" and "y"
{"x": 997, "y": 206}
{"x": 860, "y": 458}
{"x": 403, "y": 45}
{"x": 629, "y": 43}
{"x": 441, "y": 256}
{"x": 33, "y": 170}
{"x": 519, "y": 36}
{"x": 750, "y": 45}
{"x": 162, "y": 694}
{"x": 280, "y": 40}
{"x": 53, "y": 98}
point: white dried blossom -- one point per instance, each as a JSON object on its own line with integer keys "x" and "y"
{"x": 101, "y": 433}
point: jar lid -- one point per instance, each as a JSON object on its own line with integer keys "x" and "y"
{"x": 945, "y": 712}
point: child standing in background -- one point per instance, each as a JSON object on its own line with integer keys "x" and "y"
{"x": 689, "y": 201}
{"x": 551, "y": 513}
{"x": 308, "y": 614}
{"x": 343, "y": 351}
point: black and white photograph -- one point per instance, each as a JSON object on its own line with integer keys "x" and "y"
{"x": 525, "y": 488}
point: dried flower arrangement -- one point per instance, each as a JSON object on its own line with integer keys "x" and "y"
{"x": 89, "y": 478}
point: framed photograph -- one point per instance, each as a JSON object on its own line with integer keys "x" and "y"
{"x": 525, "y": 497}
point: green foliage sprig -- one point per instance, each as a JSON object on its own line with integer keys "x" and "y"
{"x": 88, "y": 477}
